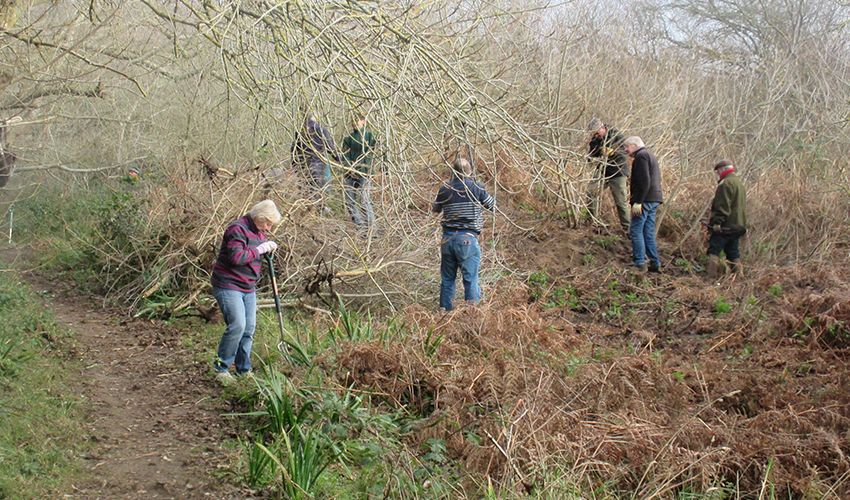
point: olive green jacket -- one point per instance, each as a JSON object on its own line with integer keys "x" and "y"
{"x": 728, "y": 209}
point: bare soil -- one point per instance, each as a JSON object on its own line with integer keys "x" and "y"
{"x": 153, "y": 412}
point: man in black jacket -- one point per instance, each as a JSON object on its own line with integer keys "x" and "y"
{"x": 645, "y": 197}
{"x": 612, "y": 170}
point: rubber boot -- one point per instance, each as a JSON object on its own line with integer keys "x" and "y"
{"x": 737, "y": 268}
{"x": 714, "y": 268}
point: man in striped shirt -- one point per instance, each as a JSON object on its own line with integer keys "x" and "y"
{"x": 461, "y": 201}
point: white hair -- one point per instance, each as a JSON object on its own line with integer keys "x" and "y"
{"x": 634, "y": 141}
{"x": 265, "y": 211}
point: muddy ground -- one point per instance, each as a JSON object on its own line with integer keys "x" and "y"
{"x": 152, "y": 411}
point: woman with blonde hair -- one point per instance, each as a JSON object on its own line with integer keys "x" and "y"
{"x": 234, "y": 281}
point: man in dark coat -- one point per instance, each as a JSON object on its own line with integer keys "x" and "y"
{"x": 645, "y": 198}
{"x": 612, "y": 170}
{"x": 727, "y": 222}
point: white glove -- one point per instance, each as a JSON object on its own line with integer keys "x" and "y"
{"x": 637, "y": 210}
{"x": 266, "y": 247}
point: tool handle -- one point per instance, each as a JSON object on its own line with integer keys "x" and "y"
{"x": 274, "y": 277}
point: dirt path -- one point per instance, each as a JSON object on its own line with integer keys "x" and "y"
{"x": 152, "y": 411}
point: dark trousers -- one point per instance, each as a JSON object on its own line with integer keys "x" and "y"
{"x": 727, "y": 243}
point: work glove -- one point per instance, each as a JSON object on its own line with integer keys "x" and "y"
{"x": 717, "y": 228}
{"x": 608, "y": 152}
{"x": 637, "y": 210}
{"x": 266, "y": 247}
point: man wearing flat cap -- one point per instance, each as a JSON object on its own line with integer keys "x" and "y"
{"x": 727, "y": 221}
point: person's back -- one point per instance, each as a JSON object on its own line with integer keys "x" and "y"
{"x": 312, "y": 150}
{"x": 461, "y": 201}
{"x": 313, "y": 142}
{"x": 646, "y": 178}
{"x": 728, "y": 209}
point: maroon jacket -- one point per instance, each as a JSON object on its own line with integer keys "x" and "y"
{"x": 238, "y": 265}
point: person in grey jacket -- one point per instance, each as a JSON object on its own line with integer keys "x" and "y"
{"x": 313, "y": 150}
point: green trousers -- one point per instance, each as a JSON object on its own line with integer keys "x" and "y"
{"x": 619, "y": 190}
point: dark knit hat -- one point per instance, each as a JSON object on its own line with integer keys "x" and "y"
{"x": 723, "y": 164}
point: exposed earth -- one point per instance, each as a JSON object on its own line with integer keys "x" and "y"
{"x": 152, "y": 410}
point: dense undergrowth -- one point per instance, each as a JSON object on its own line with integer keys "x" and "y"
{"x": 40, "y": 425}
{"x": 574, "y": 379}
{"x": 314, "y": 434}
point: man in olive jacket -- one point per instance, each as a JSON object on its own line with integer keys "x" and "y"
{"x": 728, "y": 220}
{"x": 612, "y": 169}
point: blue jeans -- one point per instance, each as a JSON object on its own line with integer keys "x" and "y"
{"x": 642, "y": 234}
{"x": 240, "y": 314}
{"x": 358, "y": 202}
{"x": 459, "y": 250}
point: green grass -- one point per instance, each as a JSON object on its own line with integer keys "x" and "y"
{"x": 721, "y": 307}
{"x": 40, "y": 425}
{"x": 78, "y": 234}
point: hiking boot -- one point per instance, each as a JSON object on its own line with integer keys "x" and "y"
{"x": 224, "y": 378}
{"x": 714, "y": 268}
{"x": 640, "y": 269}
{"x": 654, "y": 269}
{"x": 737, "y": 268}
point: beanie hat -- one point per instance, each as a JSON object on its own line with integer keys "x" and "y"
{"x": 595, "y": 124}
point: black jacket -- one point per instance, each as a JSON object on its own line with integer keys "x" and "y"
{"x": 646, "y": 178}
{"x": 609, "y": 153}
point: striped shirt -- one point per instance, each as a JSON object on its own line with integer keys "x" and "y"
{"x": 238, "y": 265}
{"x": 461, "y": 202}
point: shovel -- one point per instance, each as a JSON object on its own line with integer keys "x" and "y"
{"x": 281, "y": 345}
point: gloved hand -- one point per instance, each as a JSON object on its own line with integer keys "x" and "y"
{"x": 608, "y": 151}
{"x": 266, "y": 247}
{"x": 717, "y": 228}
{"x": 637, "y": 210}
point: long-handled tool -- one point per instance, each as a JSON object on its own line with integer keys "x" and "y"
{"x": 281, "y": 345}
